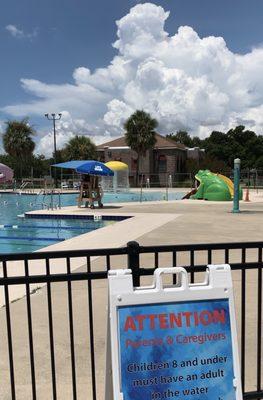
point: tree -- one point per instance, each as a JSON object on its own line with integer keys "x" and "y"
{"x": 248, "y": 144}
{"x": 213, "y": 164}
{"x": 197, "y": 142}
{"x": 18, "y": 144}
{"x": 236, "y": 143}
{"x": 140, "y": 135}
{"x": 181, "y": 137}
{"x": 184, "y": 138}
{"x": 40, "y": 166}
{"x": 79, "y": 148}
{"x": 61, "y": 156}
{"x": 218, "y": 145}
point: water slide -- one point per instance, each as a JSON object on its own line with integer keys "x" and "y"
{"x": 213, "y": 187}
{"x": 6, "y": 174}
{"x": 229, "y": 183}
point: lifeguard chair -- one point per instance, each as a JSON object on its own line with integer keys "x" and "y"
{"x": 90, "y": 192}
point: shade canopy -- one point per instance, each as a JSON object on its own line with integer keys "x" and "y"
{"x": 90, "y": 167}
{"x": 116, "y": 165}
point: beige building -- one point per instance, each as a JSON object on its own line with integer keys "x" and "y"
{"x": 167, "y": 157}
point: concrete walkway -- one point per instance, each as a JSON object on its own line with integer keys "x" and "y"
{"x": 170, "y": 223}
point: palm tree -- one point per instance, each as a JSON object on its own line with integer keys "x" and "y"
{"x": 80, "y": 148}
{"x": 18, "y": 143}
{"x": 140, "y": 135}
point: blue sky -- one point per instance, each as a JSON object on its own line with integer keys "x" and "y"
{"x": 53, "y": 38}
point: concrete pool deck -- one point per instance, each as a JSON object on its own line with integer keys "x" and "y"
{"x": 156, "y": 223}
{"x": 197, "y": 221}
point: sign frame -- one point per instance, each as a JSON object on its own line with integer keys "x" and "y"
{"x": 217, "y": 285}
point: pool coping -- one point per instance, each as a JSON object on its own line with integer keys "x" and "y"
{"x": 130, "y": 225}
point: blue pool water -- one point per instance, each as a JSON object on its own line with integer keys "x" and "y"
{"x": 136, "y": 196}
{"x": 70, "y": 199}
{"x": 26, "y": 235}
{"x": 19, "y": 234}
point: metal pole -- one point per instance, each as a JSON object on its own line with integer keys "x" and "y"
{"x": 53, "y": 118}
{"x": 236, "y": 185}
{"x": 55, "y": 142}
{"x": 55, "y": 148}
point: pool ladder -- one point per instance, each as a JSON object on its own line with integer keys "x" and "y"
{"x": 25, "y": 189}
{"x": 50, "y": 205}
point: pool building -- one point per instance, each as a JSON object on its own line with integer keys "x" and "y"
{"x": 167, "y": 156}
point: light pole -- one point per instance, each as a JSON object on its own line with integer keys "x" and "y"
{"x": 54, "y": 117}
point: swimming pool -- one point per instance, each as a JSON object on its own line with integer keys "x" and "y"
{"x": 19, "y": 234}
{"x": 30, "y": 235}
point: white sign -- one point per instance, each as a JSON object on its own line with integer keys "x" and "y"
{"x": 172, "y": 342}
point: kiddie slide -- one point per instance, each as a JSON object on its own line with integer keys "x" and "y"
{"x": 214, "y": 187}
{"x": 229, "y": 183}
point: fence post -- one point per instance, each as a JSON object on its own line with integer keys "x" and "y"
{"x": 134, "y": 261}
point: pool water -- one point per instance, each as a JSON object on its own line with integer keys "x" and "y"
{"x": 33, "y": 234}
{"x": 20, "y": 234}
{"x": 136, "y": 196}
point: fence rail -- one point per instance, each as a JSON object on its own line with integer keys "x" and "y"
{"x": 46, "y": 270}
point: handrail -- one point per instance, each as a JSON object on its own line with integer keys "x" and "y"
{"x": 23, "y": 187}
{"x": 50, "y": 192}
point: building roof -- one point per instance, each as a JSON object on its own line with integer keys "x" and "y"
{"x": 161, "y": 143}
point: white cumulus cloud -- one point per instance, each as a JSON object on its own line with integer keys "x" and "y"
{"x": 66, "y": 128}
{"x": 184, "y": 81}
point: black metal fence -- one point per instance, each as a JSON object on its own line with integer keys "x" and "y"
{"x": 45, "y": 272}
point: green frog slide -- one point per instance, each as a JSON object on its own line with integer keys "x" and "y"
{"x": 214, "y": 187}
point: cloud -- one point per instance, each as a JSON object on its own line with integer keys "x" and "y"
{"x": 184, "y": 81}
{"x": 19, "y": 33}
{"x": 66, "y": 128}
